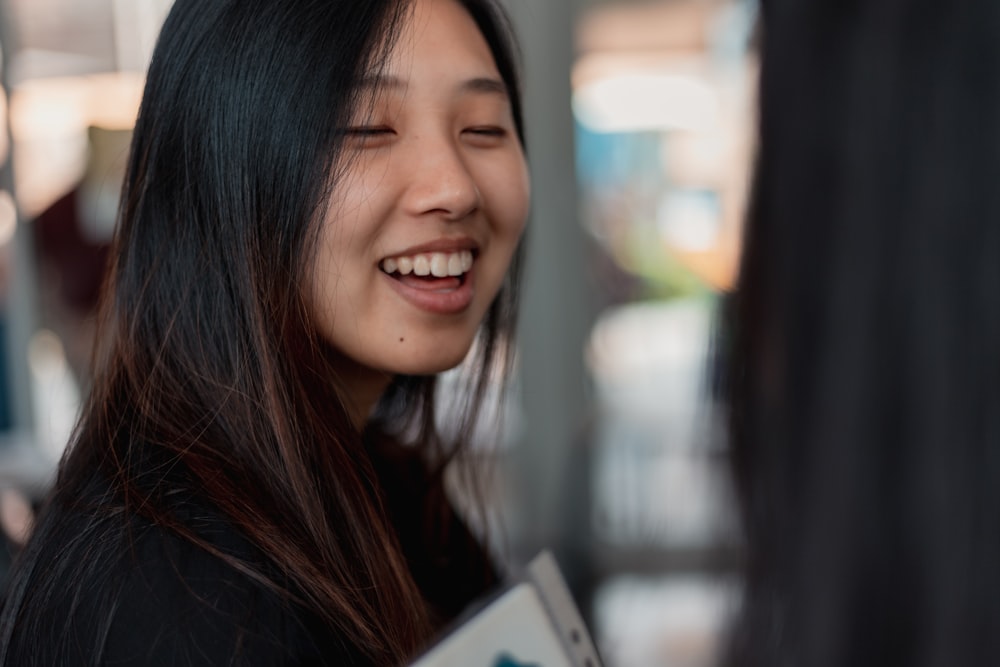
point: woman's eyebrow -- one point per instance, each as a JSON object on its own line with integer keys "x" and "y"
{"x": 484, "y": 85}
{"x": 479, "y": 84}
{"x": 376, "y": 81}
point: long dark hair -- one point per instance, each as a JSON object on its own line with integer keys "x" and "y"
{"x": 864, "y": 377}
{"x": 210, "y": 378}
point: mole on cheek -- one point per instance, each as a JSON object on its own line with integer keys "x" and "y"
{"x": 400, "y": 340}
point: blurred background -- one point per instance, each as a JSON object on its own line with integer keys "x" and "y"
{"x": 640, "y": 119}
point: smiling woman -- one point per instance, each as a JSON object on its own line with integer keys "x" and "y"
{"x": 323, "y": 209}
{"x": 417, "y": 238}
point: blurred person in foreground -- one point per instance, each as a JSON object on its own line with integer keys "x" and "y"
{"x": 322, "y": 211}
{"x": 864, "y": 340}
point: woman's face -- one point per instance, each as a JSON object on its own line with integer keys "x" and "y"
{"x": 422, "y": 226}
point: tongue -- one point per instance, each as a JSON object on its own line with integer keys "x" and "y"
{"x": 429, "y": 283}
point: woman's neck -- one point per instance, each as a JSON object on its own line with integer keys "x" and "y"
{"x": 363, "y": 387}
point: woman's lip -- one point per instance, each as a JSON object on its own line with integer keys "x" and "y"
{"x": 441, "y": 245}
{"x": 443, "y": 302}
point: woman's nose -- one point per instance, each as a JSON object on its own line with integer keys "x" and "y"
{"x": 440, "y": 181}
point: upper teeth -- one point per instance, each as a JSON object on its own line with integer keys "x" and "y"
{"x": 437, "y": 264}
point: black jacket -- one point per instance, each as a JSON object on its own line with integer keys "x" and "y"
{"x": 177, "y": 604}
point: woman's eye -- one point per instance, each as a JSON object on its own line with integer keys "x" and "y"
{"x": 488, "y": 131}
{"x": 485, "y": 135}
{"x": 370, "y": 134}
{"x": 368, "y": 130}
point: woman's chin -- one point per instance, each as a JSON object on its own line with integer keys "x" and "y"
{"x": 434, "y": 361}
{"x": 428, "y": 368}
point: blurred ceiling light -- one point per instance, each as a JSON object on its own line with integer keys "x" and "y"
{"x": 49, "y": 120}
{"x": 8, "y": 217}
{"x": 42, "y": 112}
{"x": 635, "y": 102}
{"x": 43, "y": 108}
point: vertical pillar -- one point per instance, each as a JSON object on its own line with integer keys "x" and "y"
{"x": 21, "y": 301}
{"x": 548, "y": 469}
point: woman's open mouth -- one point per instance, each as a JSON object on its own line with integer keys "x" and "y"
{"x": 430, "y": 271}
{"x": 434, "y": 264}
{"x": 436, "y": 282}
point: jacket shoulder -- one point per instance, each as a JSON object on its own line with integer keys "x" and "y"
{"x": 125, "y": 591}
